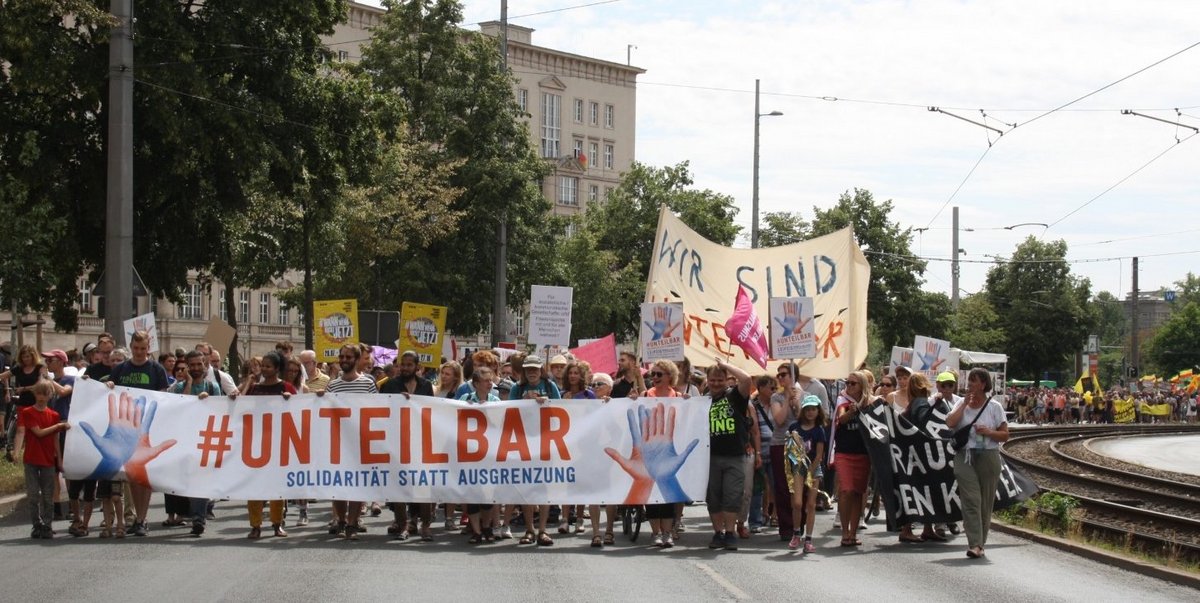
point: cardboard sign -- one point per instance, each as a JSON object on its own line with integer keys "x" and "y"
{"x": 550, "y": 315}
{"x": 793, "y": 332}
{"x": 335, "y": 324}
{"x": 661, "y": 332}
{"x": 146, "y": 323}
{"x": 422, "y": 328}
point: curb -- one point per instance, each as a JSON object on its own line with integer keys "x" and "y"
{"x": 1097, "y": 554}
{"x": 9, "y": 503}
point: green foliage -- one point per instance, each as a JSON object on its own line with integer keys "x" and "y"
{"x": 782, "y": 228}
{"x": 976, "y": 326}
{"x": 1187, "y": 290}
{"x": 1043, "y": 309}
{"x": 895, "y": 302}
{"x": 447, "y": 91}
{"x": 1176, "y": 344}
{"x": 624, "y": 226}
{"x": 1058, "y": 505}
{"x": 50, "y": 153}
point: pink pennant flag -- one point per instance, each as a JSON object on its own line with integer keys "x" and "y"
{"x": 745, "y": 330}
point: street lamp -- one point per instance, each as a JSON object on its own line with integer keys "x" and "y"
{"x": 754, "y": 191}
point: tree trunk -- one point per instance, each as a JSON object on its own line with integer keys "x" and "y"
{"x": 235, "y": 361}
{"x": 306, "y": 251}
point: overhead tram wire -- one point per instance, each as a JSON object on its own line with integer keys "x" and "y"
{"x": 1000, "y": 260}
{"x": 1121, "y": 181}
{"x": 1110, "y": 85}
{"x": 565, "y": 8}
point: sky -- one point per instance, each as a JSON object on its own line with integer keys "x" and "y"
{"x": 855, "y": 80}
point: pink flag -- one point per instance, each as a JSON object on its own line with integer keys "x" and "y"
{"x": 601, "y": 354}
{"x": 745, "y": 330}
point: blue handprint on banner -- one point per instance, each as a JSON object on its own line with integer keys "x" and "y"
{"x": 653, "y": 460}
{"x": 662, "y": 326}
{"x": 126, "y": 442}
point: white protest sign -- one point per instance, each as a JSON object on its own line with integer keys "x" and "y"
{"x": 901, "y": 357}
{"x": 146, "y": 323}
{"x": 661, "y": 332}
{"x": 930, "y": 356}
{"x": 550, "y": 315}
{"x": 793, "y": 332}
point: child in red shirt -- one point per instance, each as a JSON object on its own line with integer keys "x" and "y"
{"x": 37, "y": 435}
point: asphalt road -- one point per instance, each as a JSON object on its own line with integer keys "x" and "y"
{"x": 170, "y": 566}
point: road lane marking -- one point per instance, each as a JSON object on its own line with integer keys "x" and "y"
{"x": 722, "y": 581}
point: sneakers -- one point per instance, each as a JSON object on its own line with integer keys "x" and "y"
{"x": 808, "y": 545}
{"x": 277, "y": 528}
{"x": 718, "y": 541}
{"x": 350, "y": 533}
{"x": 794, "y": 543}
{"x": 757, "y": 529}
{"x": 336, "y": 527}
{"x": 197, "y": 530}
{"x": 731, "y": 542}
{"x": 139, "y": 528}
{"x": 505, "y": 532}
{"x": 303, "y": 520}
{"x": 668, "y": 542}
{"x": 657, "y": 540}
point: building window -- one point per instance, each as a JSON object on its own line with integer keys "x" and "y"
{"x": 550, "y": 124}
{"x": 190, "y": 309}
{"x": 222, "y": 310}
{"x": 594, "y": 116}
{"x": 607, "y": 192}
{"x": 593, "y": 153}
{"x": 285, "y": 313}
{"x": 578, "y": 148}
{"x": 608, "y": 116}
{"x": 608, "y": 157}
{"x": 578, "y": 111}
{"x": 244, "y": 307}
{"x": 519, "y": 324}
{"x": 571, "y": 228}
{"x": 343, "y": 55}
{"x": 85, "y": 297}
{"x": 264, "y": 308}
{"x": 568, "y": 190}
{"x": 523, "y": 100}
{"x": 593, "y": 193}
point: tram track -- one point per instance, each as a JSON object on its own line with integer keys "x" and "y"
{"x": 1152, "y": 510}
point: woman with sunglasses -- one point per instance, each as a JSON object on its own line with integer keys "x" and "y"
{"x": 785, "y": 410}
{"x": 850, "y": 453}
{"x": 663, "y": 375}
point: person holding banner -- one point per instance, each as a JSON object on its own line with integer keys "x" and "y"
{"x": 479, "y": 515}
{"x": 271, "y": 385}
{"x": 535, "y": 386}
{"x": 663, "y": 374}
{"x": 574, "y": 387}
{"x": 629, "y": 376}
{"x": 730, "y": 390}
{"x": 850, "y": 454}
{"x": 195, "y": 383}
{"x": 977, "y": 466}
{"x": 346, "y": 513}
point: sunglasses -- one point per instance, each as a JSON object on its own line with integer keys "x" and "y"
{"x": 657, "y": 373}
{"x": 782, "y": 375}
{"x": 598, "y": 383}
{"x": 888, "y": 384}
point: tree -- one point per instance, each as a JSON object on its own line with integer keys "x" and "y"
{"x": 782, "y": 228}
{"x": 51, "y": 190}
{"x": 976, "y": 326}
{"x": 1176, "y": 344}
{"x": 1187, "y": 290}
{"x": 447, "y": 90}
{"x": 894, "y": 298}
{"x": 624, "y": 227}
{"x": 1043, "y": 309}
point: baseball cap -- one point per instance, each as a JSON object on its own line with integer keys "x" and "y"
{"x": 810, "y": 400}
{"x": 533, "y": 361}
{"x": 61, "y": 355}
{"x": 558, "y": 359}
{"x": 947, "y": 376}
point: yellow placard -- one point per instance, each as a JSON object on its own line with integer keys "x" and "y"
{"x": 336, "y": 324}
{"x": 1123, "y": 411}
{"x": 1160, "y": 410}
{"x": 422, "y": 327}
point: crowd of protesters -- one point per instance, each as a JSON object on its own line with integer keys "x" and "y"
{"x": 1064, "y": 405}
{"x": 772, "y": 438}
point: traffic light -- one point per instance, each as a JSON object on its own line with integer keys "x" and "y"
{"x": 1133, "y": 371}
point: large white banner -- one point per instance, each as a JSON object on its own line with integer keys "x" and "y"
{"x": 389, "y": 448}
{"x": 688, "y": 268}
